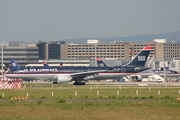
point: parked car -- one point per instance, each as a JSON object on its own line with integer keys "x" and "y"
{"x": 120, "y": 80}
{"x": 158, "y": 80}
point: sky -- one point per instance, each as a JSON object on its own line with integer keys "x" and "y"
{"x": 56, "y": 20}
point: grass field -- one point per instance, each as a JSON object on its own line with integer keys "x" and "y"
{"x": 90, "y": 102}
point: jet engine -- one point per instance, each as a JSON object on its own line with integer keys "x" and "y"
{"x": 136, "y": 78}
{"x": 62, "y": 80}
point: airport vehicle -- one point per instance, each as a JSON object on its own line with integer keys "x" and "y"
{"x": 79, "y": 74}
{"x": 158, "y": 80}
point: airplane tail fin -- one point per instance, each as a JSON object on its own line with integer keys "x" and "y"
{"x": 141, "y": 58}
{"x": 15, "y": 66}
{"x": 100, "y": 63}
{"x": 45, "y": 64}
{"x": 61, "y": 65}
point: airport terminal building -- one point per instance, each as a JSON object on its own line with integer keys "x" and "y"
{"x": 162, "y": 50}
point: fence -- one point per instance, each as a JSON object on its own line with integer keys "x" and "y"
{"x": 7, "y": 83}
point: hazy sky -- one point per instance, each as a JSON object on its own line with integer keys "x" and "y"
{"x": 51, "y": 20}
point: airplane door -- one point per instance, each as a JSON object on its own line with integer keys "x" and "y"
{"x": 123, "y": 70}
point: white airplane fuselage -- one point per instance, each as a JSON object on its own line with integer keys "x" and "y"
{"x": 48, "y": 76}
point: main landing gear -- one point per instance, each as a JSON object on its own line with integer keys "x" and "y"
{"x": 55, "y": 82}
{"x": 79, "y": 83}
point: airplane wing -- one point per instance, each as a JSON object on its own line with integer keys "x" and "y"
{"x": 79, "y": 77}
{"x": 82, "y": 75}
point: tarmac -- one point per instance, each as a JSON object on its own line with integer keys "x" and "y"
{"x": 133, "y": 84}
{"x": 166, "y": 84}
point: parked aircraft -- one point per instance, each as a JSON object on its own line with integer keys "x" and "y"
{"x": 162, "y": 73}
{"x": 138, "y": 76}
{"x": 78, "y": 74}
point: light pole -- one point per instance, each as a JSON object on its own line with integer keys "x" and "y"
{"x": 164, "y": 71}
{"x": 2, "y": 60}
{"x": 95, "y": 55}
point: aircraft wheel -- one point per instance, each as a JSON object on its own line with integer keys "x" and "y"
{"x": 79, "y": 83}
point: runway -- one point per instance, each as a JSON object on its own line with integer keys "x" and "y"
{"x": 166, "y": 84}
{"x": 104, "y": 83}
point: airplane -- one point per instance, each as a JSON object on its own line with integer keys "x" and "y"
{"x": 163, "y": 72}
{"x": 80, "y": 74}
{"x": 167, "y": 72}
{"x": 138, "y": 76}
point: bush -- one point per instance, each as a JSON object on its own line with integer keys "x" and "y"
{"x": 122, "y": 97}
{"x": 61, "y": 101}
{"x": 151, "y": 97}
{"x": 43, "y": 97}
{"x": 143, "y": 97}
{"x": 113, "y": 97}
{"x": 39, "y": 102}
{"x": 136, "y": 97}
{"x": 166, "y": 97}
{"x": 32, "y": 97}
{"x": 130, "y": 97}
